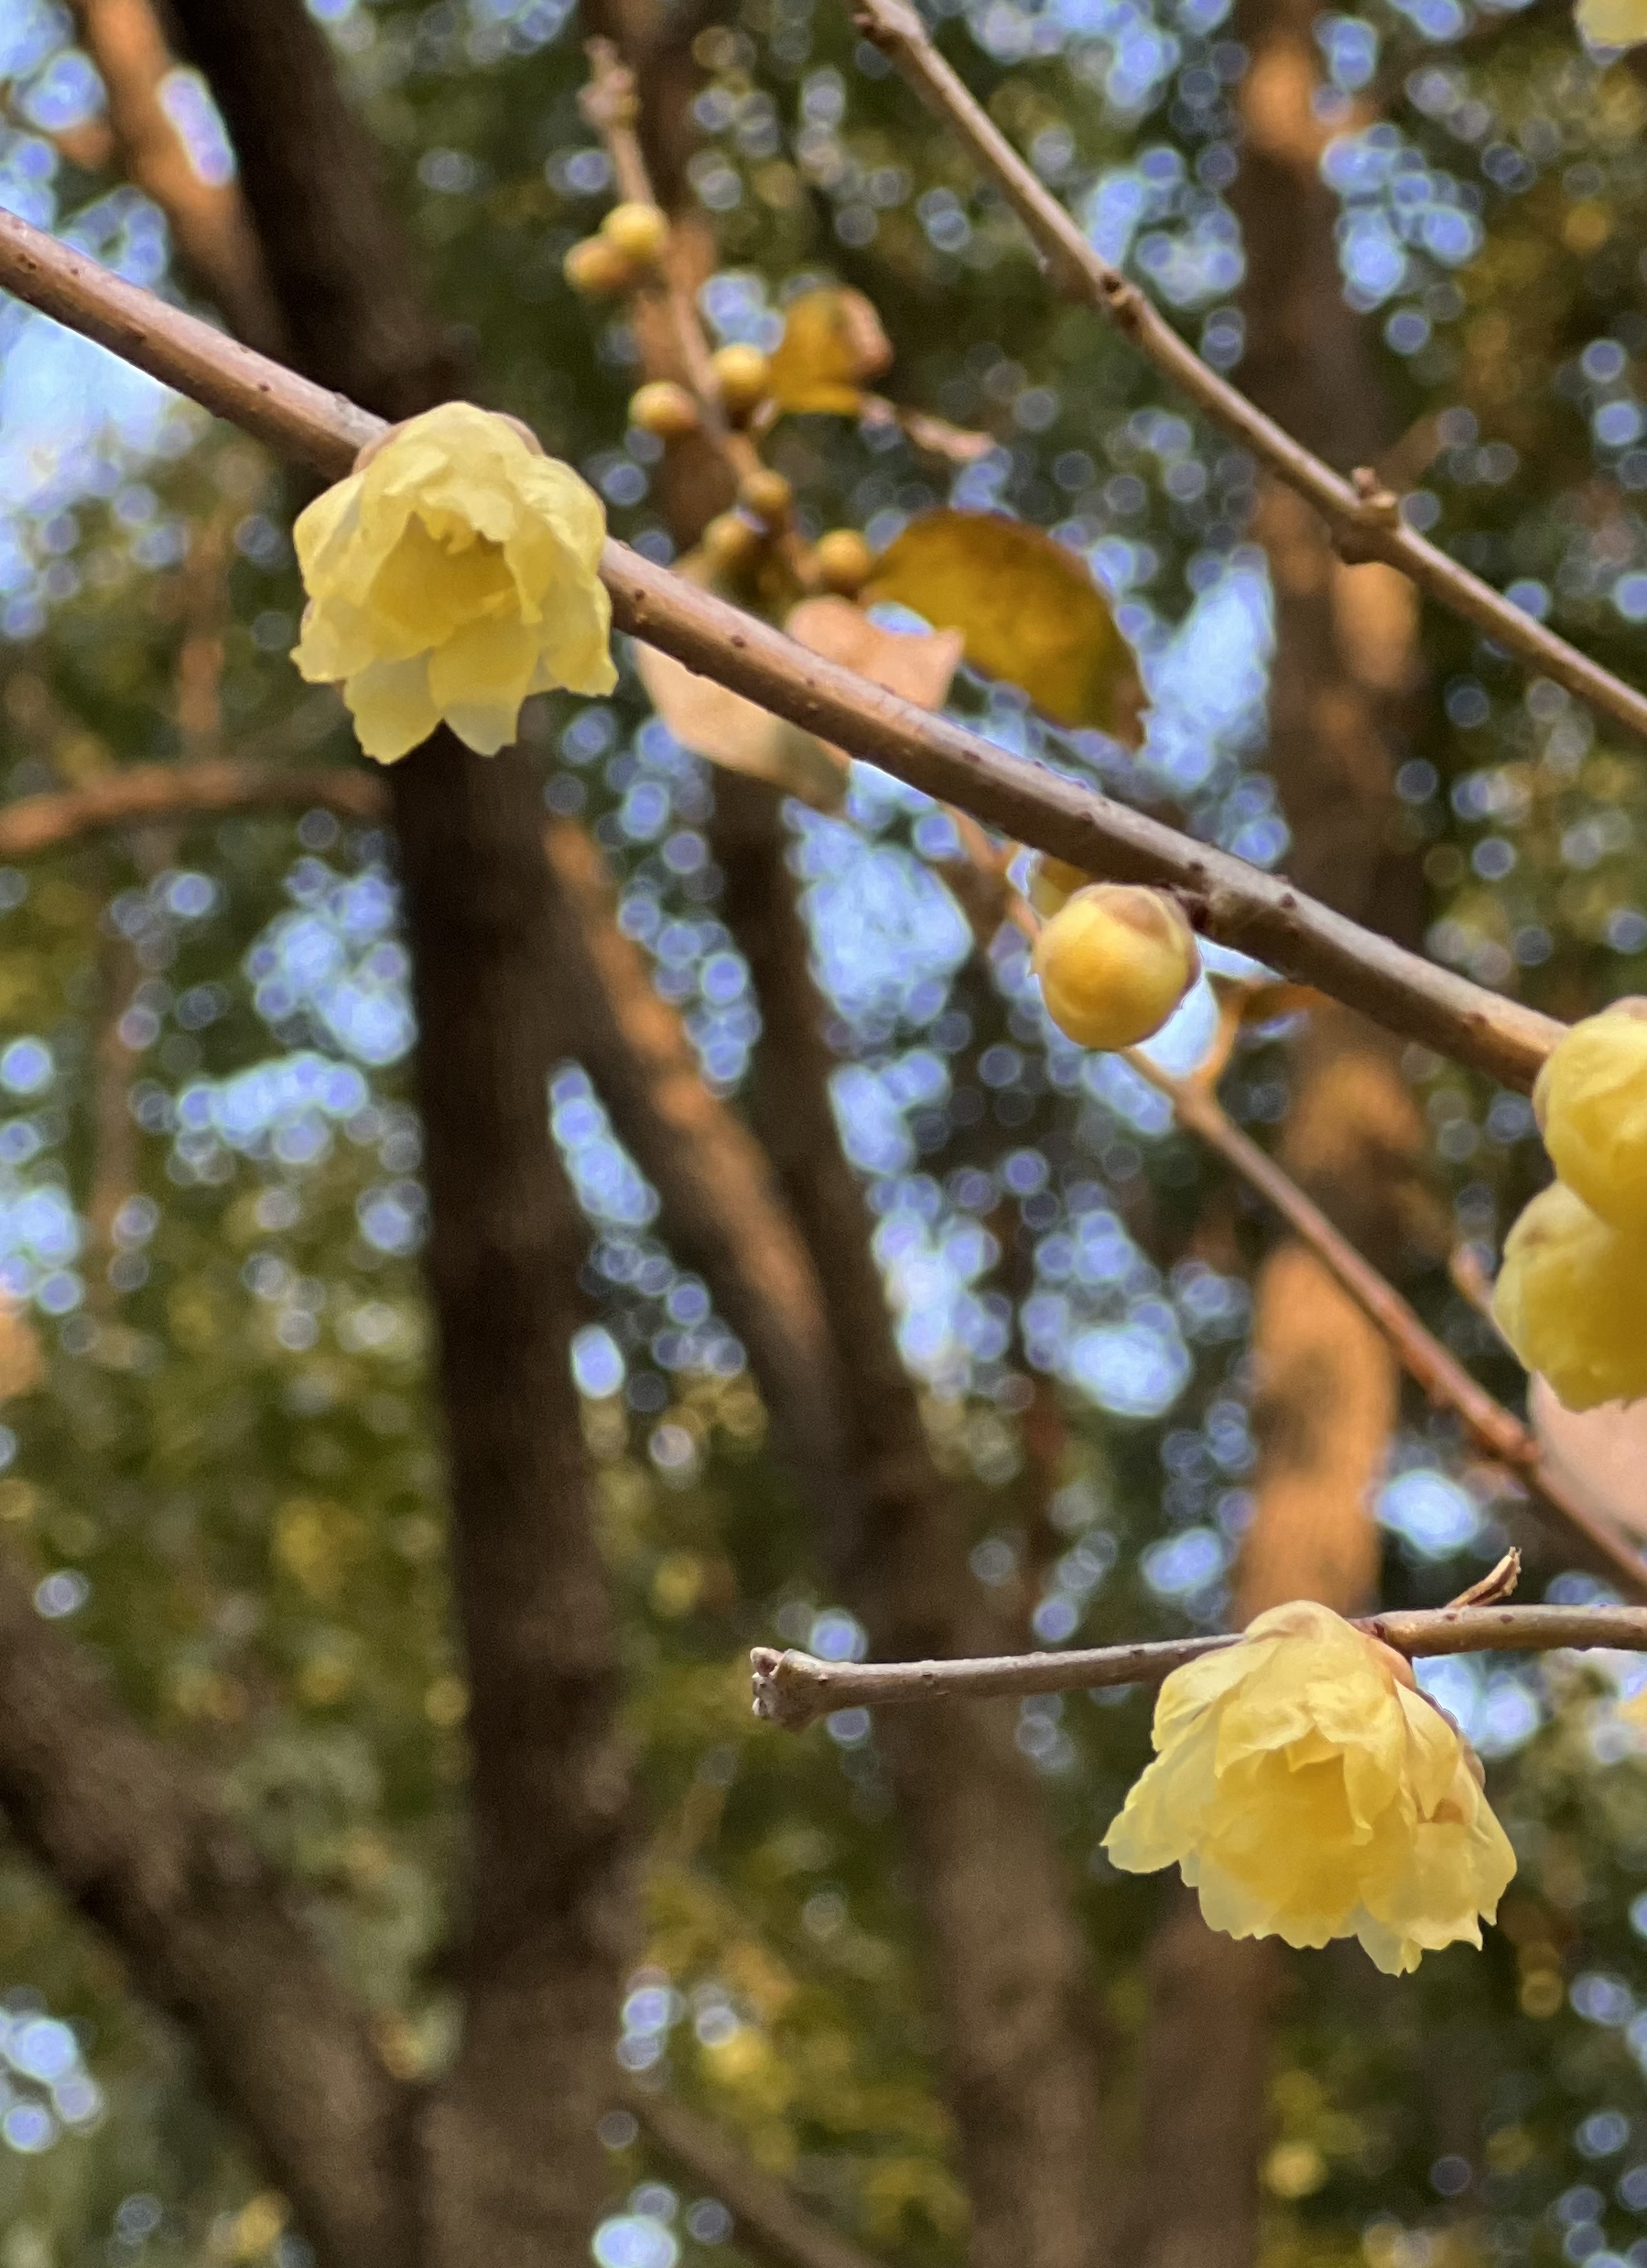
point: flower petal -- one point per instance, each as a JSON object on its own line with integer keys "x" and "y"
{"x": 392, "y": 707}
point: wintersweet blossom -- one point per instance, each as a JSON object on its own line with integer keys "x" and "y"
{"x": 1591, "y": 1101}
{"x": 1571, "y": 1298}
{"x": 453, "y": 573}
{"x": 1308, "y": 1790}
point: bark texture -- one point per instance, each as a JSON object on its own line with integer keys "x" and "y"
{"x": 342, "y": 275}
{"x": 513, "y": 2169}
{"x": 1328, "y": 1385}
{"x": 1022, "y": 2037}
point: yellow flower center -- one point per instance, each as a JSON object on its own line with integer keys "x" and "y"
{"x": 442, "y": 574}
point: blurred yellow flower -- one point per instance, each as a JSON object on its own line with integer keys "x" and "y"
{"x": 1591, "y": 1101}
{"x": 450, "y": 576}
{"x": 1571, "y": 1299}
{"x": 1612, "y": 23}
{"x": 1306, "y": 1790}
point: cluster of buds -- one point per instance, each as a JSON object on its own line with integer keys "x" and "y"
{"x": 1114, "y": 960}
{"x": 627, "y": 250}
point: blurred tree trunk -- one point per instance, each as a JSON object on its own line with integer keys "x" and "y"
{"x": 1019, "y": 2026}
{"x": 513, "y": 2169}
{"x": 1327, "y": 1383}
{"x": 1021, "y": 2035}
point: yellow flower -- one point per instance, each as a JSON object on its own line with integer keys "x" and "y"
{"x": 1306, "y": 1790}
{"x": 1612, "y": 23}
{"x": 450, "y": 576}
{"x": 1571, "y": 1299}
{"x": 1591, "y": 1101}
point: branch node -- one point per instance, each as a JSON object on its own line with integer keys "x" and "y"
{"x": 790, "y": 1688}
{"x": 609, "y": 99}
{"x": 1496, "y": 1584}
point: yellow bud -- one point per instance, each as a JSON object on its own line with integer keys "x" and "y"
{"x": 1591, "y": 1101}
{"x": 641, "y": 233}
{"x": 844, "y": 561}
{"x": 1053, "y": 882}
{"x": 730, "y": 543}
{"x": 664, "y": 408}
{"x": 767, "y": 494}
{"x": 1114, "y": 963}
{"x": 596, "y": 268}
{"x": 740, "y": 373}
{"x": 1571, "y": 1299}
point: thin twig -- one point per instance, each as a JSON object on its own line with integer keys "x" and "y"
{"x": 1260, "y": 914}
{"x": 793, "y": 1690}
{"x": 1444, "y": 1378}
{"x": 1363, "y": 514}
{"x": 149, "y": 791}
{"x": 611, "y": 104}
{"x": 768, "y": 2219}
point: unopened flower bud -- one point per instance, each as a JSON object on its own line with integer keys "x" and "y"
{"x": 598, "y": 268}
{"x": 742, "y": 374}
{"x": 1053, "y": 882}
{"x": 641, "y": 233}
{"x": 1571, "y": 1299}
{"x": 730, "y": 543}
{"x": 1591, "y": 1104}
{"x": 844, "y": 560}
{"x": 1114, "y": 962}
{"x": 766, "y": 494}
{"x": 664, "y": 408}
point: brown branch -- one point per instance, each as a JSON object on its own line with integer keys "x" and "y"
{"x": 1364, "y": 516}
{"x": 1261, "y": 913}
{"x": 203, "y": 1922}
{"x": 148, "y": 792}
{"x": 722, "y": 1214}
{"x": 207, "y": 218}
{"x": 769, "y": 2221}
{"x": 793, "y": 1690}
{"x": 1443, "y": 1377}
{"x": 1023, "y": 2043}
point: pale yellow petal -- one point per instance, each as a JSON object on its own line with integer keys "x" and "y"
{"x": 391, "y": 708}
{"x": 1435, "y": 1752}
{"x": 335, "y": 640}
{"x": 575, "y": 639}
{"x": 479, "y": 679}
{"x": 322, "y": 527}
{"x": 1201, "y": 1685}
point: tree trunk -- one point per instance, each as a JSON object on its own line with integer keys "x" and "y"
{"x": 1327, "y": 1382}
{"x": 1021, "y": 2035}
{"x": 513, "y": 2169}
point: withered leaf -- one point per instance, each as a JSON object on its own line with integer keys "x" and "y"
{"x": 1027, "y": 609}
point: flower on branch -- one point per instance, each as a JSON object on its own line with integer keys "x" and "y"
{"x": 453, "y": 573}
{"x": 1571, "y": 1298}
{"x": 1308, "y": 1790}
{"x": 1591, "y": 1103}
